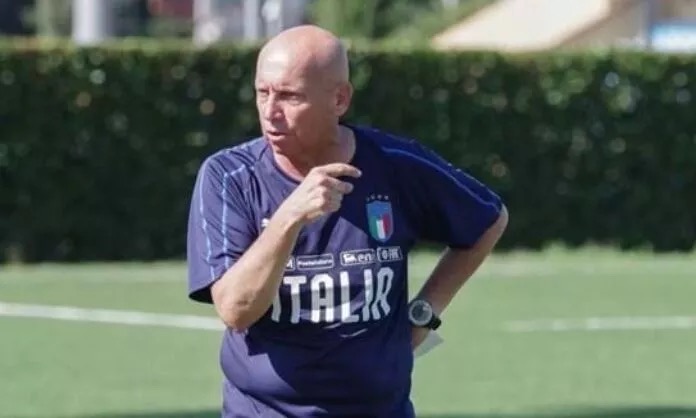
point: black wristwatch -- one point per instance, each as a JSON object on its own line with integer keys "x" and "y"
{"x": 421, "y": 314}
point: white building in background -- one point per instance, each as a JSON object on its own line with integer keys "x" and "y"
{"x": 536, "y": 25}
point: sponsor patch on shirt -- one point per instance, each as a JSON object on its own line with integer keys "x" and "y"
{"x": 314, "y": 262}
{"x": 358, "y": 257}
{"x": 387, "y": 254}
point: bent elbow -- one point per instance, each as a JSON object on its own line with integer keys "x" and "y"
{"x": 235, "y": 320}
{"x": 232, "y": 315}
{"x": 237, "y": 309}
{"x": 235, "y": 314}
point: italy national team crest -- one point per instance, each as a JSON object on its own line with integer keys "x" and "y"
{"x": 379, "y": 217}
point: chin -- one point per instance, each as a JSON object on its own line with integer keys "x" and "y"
{"x": 278, "y": 139}
{"x": 282, "y": 144}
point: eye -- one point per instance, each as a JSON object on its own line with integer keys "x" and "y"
{"x": 291, "y": 97}
{"x": 261, "y": 93}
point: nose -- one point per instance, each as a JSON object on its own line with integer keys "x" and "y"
{"x": 271, "y": 110}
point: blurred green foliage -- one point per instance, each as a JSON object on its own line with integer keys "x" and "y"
{"x": 51, "y": 18}
{"x": 412, "y": 21}
{"x": 99, "y": 147}
{"x": 429, "y": 23}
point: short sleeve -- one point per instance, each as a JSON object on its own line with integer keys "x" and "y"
{"x": 219, "y": 227}
{"x": 446, "y": 205}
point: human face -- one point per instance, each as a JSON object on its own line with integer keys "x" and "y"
{"x": 296, "y": 109}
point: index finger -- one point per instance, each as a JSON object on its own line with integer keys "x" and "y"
{"x": 340, "y": 169}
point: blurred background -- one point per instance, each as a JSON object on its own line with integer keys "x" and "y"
{"x": 664, "y": 25}
{"x": 580, "y": 113}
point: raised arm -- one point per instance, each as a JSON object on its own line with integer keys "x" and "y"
{"x": 244, "y": 291}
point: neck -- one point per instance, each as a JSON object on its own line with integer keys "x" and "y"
{"x": 340, "y": 148}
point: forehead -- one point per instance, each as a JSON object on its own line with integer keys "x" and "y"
{"x": 279, "y": 68}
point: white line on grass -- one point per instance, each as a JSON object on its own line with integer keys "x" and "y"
{"x": 24, "y": 280}
{"x": 625, "y": 323}
{"x": 73, "y": 313}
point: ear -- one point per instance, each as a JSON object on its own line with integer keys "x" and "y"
{"x": 342, "y": 98}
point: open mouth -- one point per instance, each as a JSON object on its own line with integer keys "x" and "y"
{"x": 276, "y": 134}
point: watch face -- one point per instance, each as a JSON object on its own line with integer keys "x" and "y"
{"x": 420, "y": 312}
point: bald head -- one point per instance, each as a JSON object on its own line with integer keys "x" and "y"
{"x": 302, "y": 89}
{"x": 307, "y": 50}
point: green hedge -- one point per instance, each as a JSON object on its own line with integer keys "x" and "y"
{"x": 99, "y": 147}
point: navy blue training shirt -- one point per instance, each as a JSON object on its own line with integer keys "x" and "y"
{"x": 337, "y": 340}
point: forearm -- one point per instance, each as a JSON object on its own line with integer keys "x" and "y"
{"x": 456, "y": 266}
{"x": 246, "y": 291}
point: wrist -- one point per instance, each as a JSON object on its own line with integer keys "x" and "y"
{"x": 437, "y": 301}
{"x": 422, "y": 314}
{"x": 287, "y": 221}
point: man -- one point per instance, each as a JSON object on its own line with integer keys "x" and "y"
{"x": 300, "y": 240}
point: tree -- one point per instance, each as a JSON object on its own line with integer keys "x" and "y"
{"x": 379, "y": 19}
{"x": 353, "y": 19}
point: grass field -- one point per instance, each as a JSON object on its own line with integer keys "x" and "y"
{"x": 636, "y": 359}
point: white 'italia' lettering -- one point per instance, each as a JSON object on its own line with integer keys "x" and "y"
{"x": 322, "y": 299}
{"x": 346, "y": 315}
{"x": 368, "y": 295}
{"x": 275, "y": 313}
{"x": 333, "y": 300}
{"x": 294, "y": 282}
{"x": 384, "y": 282}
